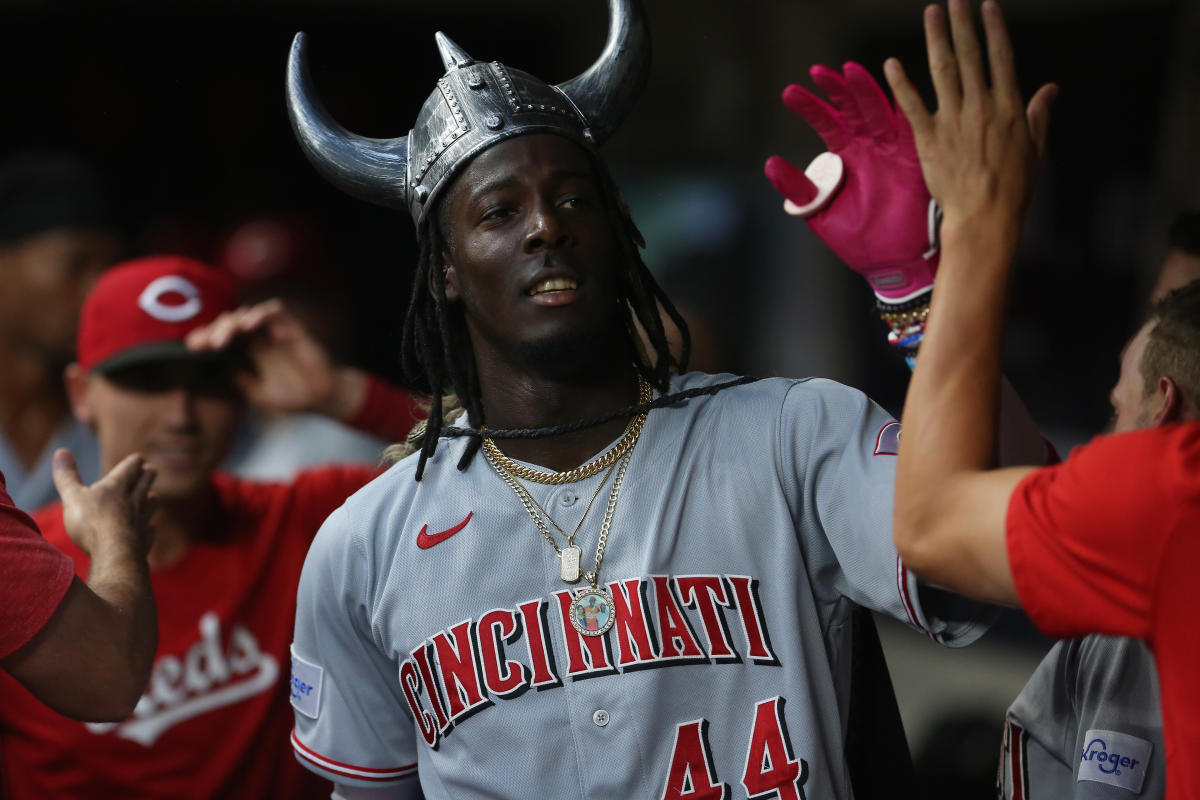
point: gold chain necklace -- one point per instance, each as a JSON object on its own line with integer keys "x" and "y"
{"x": 570, "y": 554}
{"x": 592, "y": 612}
{"x": 606, "y": 459}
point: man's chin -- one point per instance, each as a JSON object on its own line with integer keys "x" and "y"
{"x": 172, "y": 486}
{"x": 570, "y": 350}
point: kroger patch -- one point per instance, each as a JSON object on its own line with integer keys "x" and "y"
{"x": 1117, "y": 759}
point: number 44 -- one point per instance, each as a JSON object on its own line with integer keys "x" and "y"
{"x": 771, "y": 767}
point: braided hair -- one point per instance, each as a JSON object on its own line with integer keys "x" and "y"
{"x": 437, "y": 346}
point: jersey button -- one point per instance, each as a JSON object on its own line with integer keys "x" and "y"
{"x": 568, "y": 498}
{"x": 601, "y": 717}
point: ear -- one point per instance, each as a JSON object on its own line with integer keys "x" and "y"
{"x": 79, "y": 393}
{"x": 449, "y": 278}
{"x": 1170, "y": 401}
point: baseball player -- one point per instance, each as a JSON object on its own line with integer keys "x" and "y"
{"x": 1055, "y": 539}
{"x": 160, "y": 346}
{"x": 675, "y": 586}
{"x": 84, "y": 649}
{"x": 1092, "y": 692}
{"x": 57, "y": 235}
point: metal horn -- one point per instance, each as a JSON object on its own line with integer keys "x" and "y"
{"x": 605, "y": 93}
{"x": 375, "y": 170}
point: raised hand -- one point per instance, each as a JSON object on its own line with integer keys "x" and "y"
{"x": 866, "y": 197}
{"x": 982, "y": 147}
{"x": 114, "y": 512}
{"x": 291, "y": 371}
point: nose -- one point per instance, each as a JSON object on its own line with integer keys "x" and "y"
{"x": 180, "y": 407}
{"x": 547, "y": 228}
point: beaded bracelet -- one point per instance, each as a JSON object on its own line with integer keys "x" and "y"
{"x": 907, "y": 322}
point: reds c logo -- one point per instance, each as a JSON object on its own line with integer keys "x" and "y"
{"x": 151, "y": 299}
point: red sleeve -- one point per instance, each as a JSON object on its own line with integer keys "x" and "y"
{"x": 319, "y": 492}
{"x": 1086, "y": 538}
{"x": 34, "y": 577}
{"x": 388, "y": 412}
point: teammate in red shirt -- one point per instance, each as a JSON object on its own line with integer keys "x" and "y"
{"x": 1055, "y": 539}
{"x": 159, "y": 342}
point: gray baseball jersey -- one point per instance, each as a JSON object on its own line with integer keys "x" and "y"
{"x": 435, "y": 639}
{"x": 1087, "y": 725}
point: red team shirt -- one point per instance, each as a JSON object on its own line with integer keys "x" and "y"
{"x": 214, "y": 720}
{"x": 1109, "y": 541}
{"x": 34, "y": 577}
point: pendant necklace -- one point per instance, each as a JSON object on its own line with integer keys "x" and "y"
{"x": 591, "y": 611}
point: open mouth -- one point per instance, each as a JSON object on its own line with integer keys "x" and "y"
{"x": 554, "y": 292}
{"x": 553, "y": 285}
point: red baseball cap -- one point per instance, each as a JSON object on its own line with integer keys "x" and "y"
{"x": 142, "y": 310}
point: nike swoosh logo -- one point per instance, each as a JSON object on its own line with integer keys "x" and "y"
{"x": 426, "y": 540}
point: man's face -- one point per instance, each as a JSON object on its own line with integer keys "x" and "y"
{"x": 1133, "y": 409}
{"x": 530, "y": 252}
{"x": 180, "y": 415}
{"x": 45, "y": 279}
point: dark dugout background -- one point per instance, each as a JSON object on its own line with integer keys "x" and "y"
{"x": 182, "y": 105}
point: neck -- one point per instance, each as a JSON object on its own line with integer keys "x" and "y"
{"x": 534, "y": 399}
{"x": 178, "y": 523}
{"x": 32, "y": 402}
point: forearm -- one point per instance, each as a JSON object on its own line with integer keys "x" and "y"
{"x": 374, "y": 406}
{"x": 953, "y": 400}
{"x": 125, "y": 625}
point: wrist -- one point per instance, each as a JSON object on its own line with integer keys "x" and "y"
{"x": 115, "y": 545}
{"x": 348, "y": 395}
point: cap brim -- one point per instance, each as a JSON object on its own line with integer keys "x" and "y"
{"x": 172, "y": 350}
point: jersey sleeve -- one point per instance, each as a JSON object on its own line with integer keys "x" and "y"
{"x": 34, "y": 577}
{"x": 350, "y": 721}
{"x": 388, "y": 412}
{"x": 1086, "y": 538}
{"x": 1090, "y": 696}
{"x": 839, "y": 448}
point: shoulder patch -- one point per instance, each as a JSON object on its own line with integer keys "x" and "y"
{"x": 306, "y": 686}
{"x": 887, "y": 443}
{"x": 1117, "y": 759}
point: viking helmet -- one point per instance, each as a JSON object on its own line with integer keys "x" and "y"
{"x": 476, "y": 104}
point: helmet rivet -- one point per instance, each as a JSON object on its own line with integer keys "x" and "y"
{"x": 422, "y": 194}
{"x": 494, "y": 122}
{"x": 476, "y": 82}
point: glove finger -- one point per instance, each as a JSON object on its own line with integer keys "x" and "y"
{"x": 789, "y": 181}
{"x": 872, "y": 104}
{"x": 822, "y": 117}
{"x": 831, "y": 82}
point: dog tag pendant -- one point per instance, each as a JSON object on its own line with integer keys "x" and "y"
{"x": 570, "y": 563}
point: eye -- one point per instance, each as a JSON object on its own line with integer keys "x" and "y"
{"x": 494, "y": 214}
{"x": 576, "y": 201}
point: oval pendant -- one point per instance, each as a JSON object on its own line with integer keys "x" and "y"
{"x": 592, "y": 612}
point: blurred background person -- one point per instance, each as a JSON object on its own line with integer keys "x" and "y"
{"x": 56, "y": 236}
{"x": 285, "y": 256}
{"x": 226, "y": 559}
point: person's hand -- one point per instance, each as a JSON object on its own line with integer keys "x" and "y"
{"x": 114, "y": 511}
{"x": 291, "y": 371}
{"x": 981, "y": 149}
{"x": 868, "y": 200}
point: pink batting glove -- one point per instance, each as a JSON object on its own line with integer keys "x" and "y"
{"x": 866, "y": 197}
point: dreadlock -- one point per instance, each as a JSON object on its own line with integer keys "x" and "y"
{"x": 436, "y": 344}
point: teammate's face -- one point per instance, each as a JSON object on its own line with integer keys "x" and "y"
{"x": 1132, "y": 407}
{"x": 530, "y": 252}
{"x": 180, "y": 415}
{"x": 46, "y": 278}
